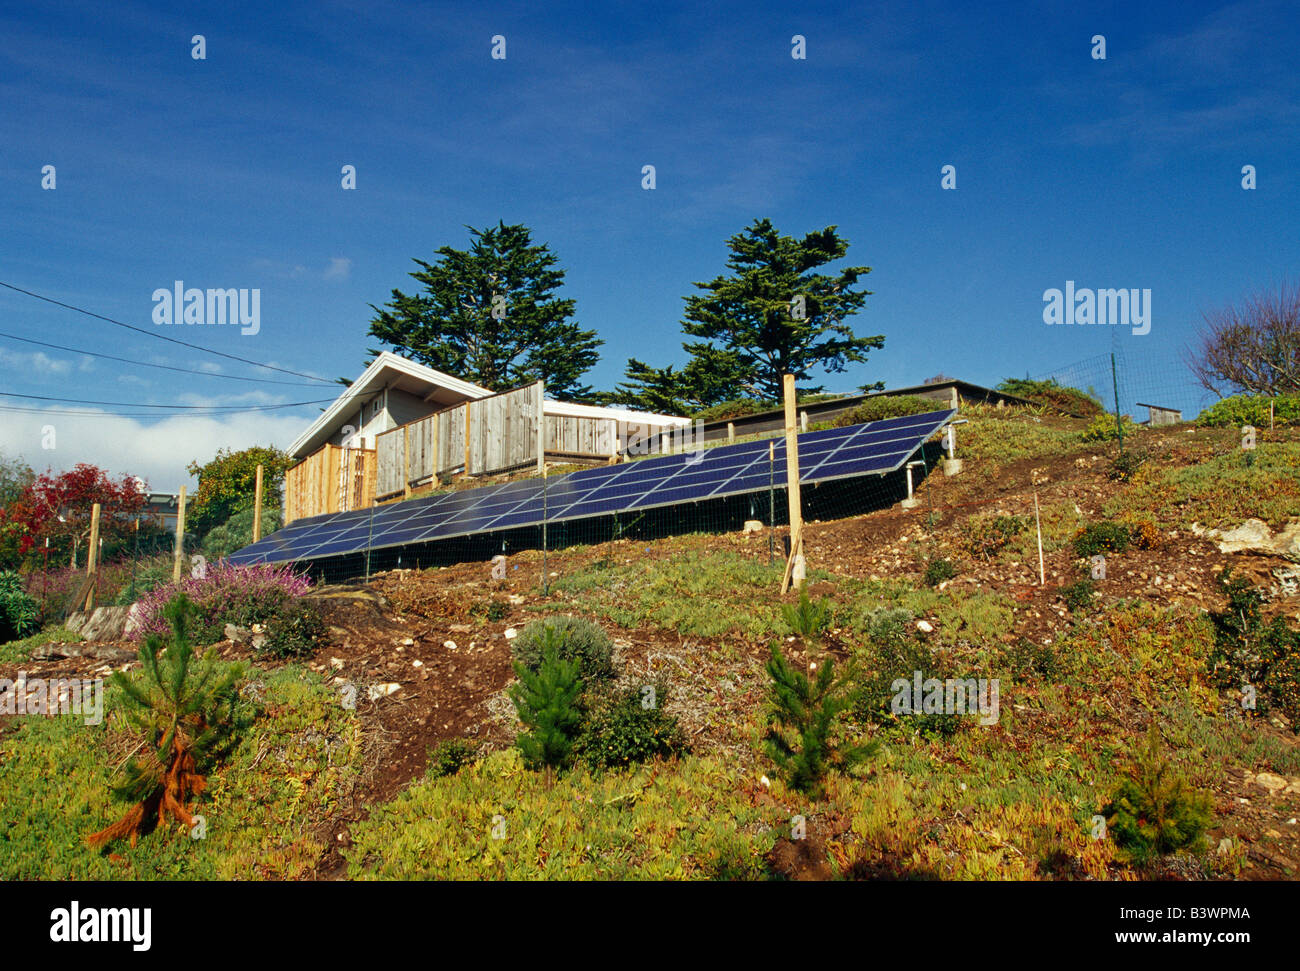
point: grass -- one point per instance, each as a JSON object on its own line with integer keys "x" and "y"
{"x": 16, "y": 652}
{"x": 1011, "y": 435}
{"x": 496, "y": 820}
{"x": 261, "y": 822}
{"x": 1220, "y": 491}
{"x": 692, "y": 594}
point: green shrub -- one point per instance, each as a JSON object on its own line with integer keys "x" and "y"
{"x": 880, "y": 407}
{"x": 1103, "y": 428}
{"x": 150, "y": 575}
{"x": 1245, "y": 409}
{"x": 1153, "y": 811}
{"x": 1125, "y": 465}
{"x": 898, "y": 652}
{"x": 802, "y": 721}
{"x": 1249, "y": 652}
{"x": 237, "y": 532}
{"x": 1078, "y": 595}
{"x": 450, "y": 756}
{"x": 1027, "y": 658}
{"x": 736, "y": 408}
{"x": 807, "y": 619}
{"x": 19, "y": 613}
{"x": 547, "y": 700}
{"x": 629, "y": 725}
{"x": 986, "y": 536}
{"x": 575, "y": 638}
{"x": 937, "y": 571}
{"x": 1055, "y": 396}
{"x": 1103, "y": 537}
{"x": 292, "y": 630}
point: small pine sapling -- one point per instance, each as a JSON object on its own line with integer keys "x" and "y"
{"x": 808, "y": 619}
{"x": 1153, "y": 810}
{"x": 801, "y": 723}
{"x": 547, "y": 700}
{"x": 187, "y": 715}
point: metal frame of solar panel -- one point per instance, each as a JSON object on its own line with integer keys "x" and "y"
{"x": 879, "y": 447}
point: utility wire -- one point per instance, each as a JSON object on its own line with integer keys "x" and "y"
{"x": 137, "y": 404}
{"x": 162, "y": 337}
{"x": 165, "y": 367}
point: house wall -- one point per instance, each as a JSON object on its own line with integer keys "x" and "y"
{"x": 404, "y": 408}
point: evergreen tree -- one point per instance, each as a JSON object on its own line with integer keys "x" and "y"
{"x": 801, "y": 722}
{"x": 711, "y": 377}
{"x": 547, "y": 702}
{"x": 187, "y": 715}
{"x": 489, "y": 315}
{"x": 754, "y": 315}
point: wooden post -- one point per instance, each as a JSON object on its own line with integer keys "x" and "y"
{"x": 406, "y": 462}
{"x": 731, "y": 431}
{"x": 179, "y": 553}
{"x": 803, "y": 421}
{"x": 539, "y": 409}
{"x": 793, "y": 496}
{"x": 257, "y": 506}
{"x": 1038, "y": 525}
{"x": 437, "y": 420}
{"x": 92, "y": 558}
{"x": 467, "y": 445}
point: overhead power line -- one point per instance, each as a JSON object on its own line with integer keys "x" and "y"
{"x": 139, "y": 404}
{"x": 162, "y": 337}
{"x": 164, "y": 367}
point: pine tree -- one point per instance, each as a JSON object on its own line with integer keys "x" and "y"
{"x": 548, "y": 705}
{"x": 754, "y": 315}
{"x": 801, "y": 721}
{"x": 489, "y": 315}
{"x": 187, "y": 715}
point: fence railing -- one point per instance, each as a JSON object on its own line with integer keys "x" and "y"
{"x": 334, "y": 478}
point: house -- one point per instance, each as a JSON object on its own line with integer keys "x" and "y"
{"x": 1158, "y": 416}
{"x": 402, "y": 426}
{"x": 394, "y": 391}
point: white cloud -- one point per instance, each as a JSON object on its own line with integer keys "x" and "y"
{"x": 155, "y": 451}
{"x": 340, "y": 268}
{"x": 38, "y": 362}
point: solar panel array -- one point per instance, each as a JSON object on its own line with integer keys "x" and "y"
{"x": 875, "y": 448}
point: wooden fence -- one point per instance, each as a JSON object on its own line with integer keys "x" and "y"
{"x": 494, "y": 434}
{"x": 331, "y": 479}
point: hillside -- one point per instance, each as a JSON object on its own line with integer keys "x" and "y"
{"x": 319, "y": 790}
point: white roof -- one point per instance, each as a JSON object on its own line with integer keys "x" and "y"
{"x": 441, "y": 390}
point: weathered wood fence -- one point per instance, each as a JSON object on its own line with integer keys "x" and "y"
{"x": 331, "y": 479}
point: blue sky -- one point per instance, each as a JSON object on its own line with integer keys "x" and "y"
{"x": 225, "y": 172}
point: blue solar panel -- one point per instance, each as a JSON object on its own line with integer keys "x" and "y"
{"x": 876, "y": 448}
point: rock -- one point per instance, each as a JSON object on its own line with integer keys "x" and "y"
{"x": 1254, "y": 536}
{"x": 408, "y": 642}
{"x": 376, "y": 691}
{"x": 449, "y": 645}
{"x": 336, "y": 663}
{"x": 925, "y": 627}
{"x": 417, "y": 663}
{"x": 1271, "y": 782}
{"x": 1225, "y": 846}
{"x": 511, "y": 633}
{"x": 752, "y": 526}
{"x": 236, "y": 635}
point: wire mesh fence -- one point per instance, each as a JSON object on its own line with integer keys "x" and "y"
{"x": 1119, "y": 386}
